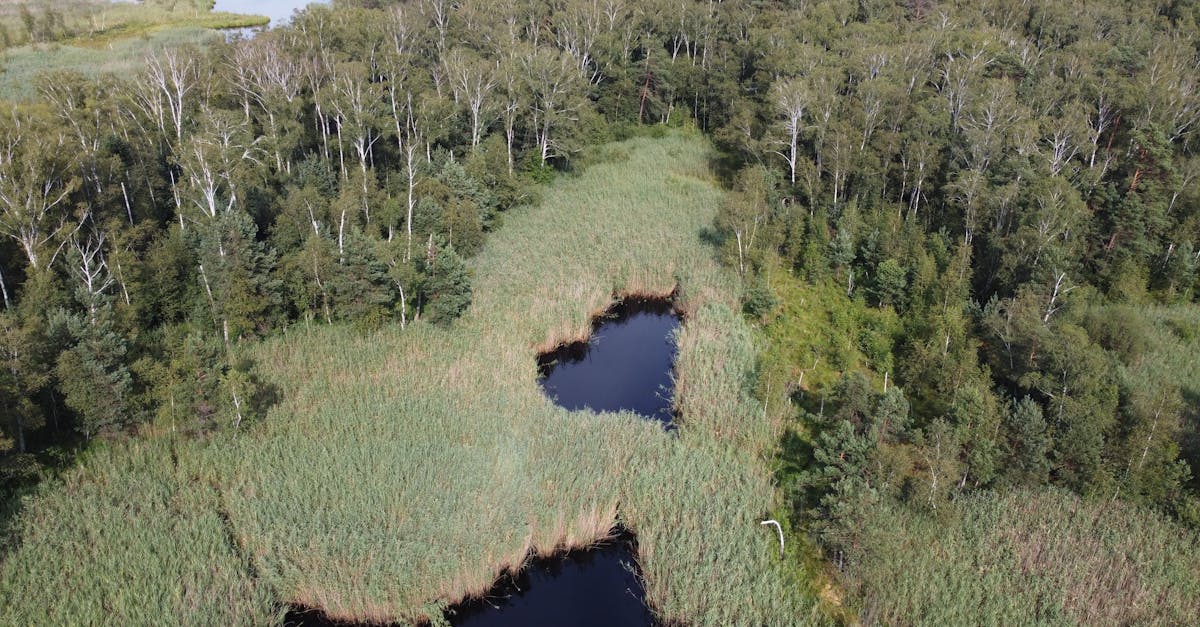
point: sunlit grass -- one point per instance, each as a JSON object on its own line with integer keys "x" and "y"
{"x": 132, "y": 536}
{"x": 1029, "y": 557}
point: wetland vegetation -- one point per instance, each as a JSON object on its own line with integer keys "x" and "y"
{"x": 285, "y": 318}
{"x": 100, "y": 38}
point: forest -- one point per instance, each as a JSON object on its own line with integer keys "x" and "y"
{"x": 962, "y": 240}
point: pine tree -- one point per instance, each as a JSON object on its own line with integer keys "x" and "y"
{"x": 92, "y": 376}
{"x": 447, "y": 288}
{"x": 1028, "y": 443}
{"x": 236, "y": 273}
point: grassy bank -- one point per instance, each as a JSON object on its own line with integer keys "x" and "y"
{"x": 96, "y": 37}
{"x": 405, "y": 470}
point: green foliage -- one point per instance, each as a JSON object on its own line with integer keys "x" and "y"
{"x": 815, "y": 334}
{"x": 852, "y": 464}
{"x": 538, "y": 172}
{"x": 236, "y": 275}
{"x": 95, "y": 382}
{"x": 758, "y": 301}
{"x": 744, "y": 214}
{"x": 358, "y": 286}
{"x": 1028, "y": 443}
{"x": 487, "y": 168}
{"x": 447, "y": 289}
{"x": 21, "y": 377}
{"x": 170, "y": 291}
{"x": 889, "y": 283}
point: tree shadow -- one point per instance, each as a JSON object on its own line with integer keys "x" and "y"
{"x": 725, "y": 165}
{"x": 795, "y": 457}
{"x": 266, "y": 395}
{"x": 710, "y": 236}
{"x": 22, "y": 473}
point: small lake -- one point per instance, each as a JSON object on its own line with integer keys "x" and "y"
{"x": 280, "y": 11}
{"x": 626, "y": 364}
{"x": 595, "y": 588}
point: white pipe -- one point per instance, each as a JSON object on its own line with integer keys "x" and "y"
{"x": 778, "y": 529}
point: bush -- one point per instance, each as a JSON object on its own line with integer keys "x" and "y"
{"x": 758, "y": 300}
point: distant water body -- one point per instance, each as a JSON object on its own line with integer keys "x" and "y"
{"x": 280, "y": 11}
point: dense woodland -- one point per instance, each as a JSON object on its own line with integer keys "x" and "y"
{"x": 1011, "y": 185}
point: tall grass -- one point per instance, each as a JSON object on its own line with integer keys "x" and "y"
{"x": 134, "y": 536}
{"x": 406, "y": 470}
{"x": 1029, "y": 557}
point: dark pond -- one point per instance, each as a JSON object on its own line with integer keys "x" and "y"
{"x": 625, "y": 365}
{"x": 600, "y": 587}
{"x": 596, "y": 588}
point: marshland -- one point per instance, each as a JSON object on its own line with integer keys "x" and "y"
{"x": 405, "y": 470}
{"x": 673, "y": 313}
{"x": 103, "y": 38}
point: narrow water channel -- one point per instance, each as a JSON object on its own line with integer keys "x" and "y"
{"x": 626, "y": 364}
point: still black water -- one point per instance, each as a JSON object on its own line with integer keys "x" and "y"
{"x": 625, "y": 365}
{"x": 595, "y": 588}
{"x": 600, "y": 587}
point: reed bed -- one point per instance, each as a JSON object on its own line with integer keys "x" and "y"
{"x": 133, "y": 536}
{"x": 1029, "y": 557}
{"x": 405, "y": 470}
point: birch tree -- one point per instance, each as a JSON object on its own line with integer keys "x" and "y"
{"x": 36, "y": 183}
{"x": 791, "y": 100}
{"x": 269, "y": 81}
{"x": 577, "y": 27}
{"x": 212, "y": 163}
{"x": 357, "y": 106}
{"x": 512, "y": 101}
{"x": 556, "y": 90}
{"x": 472, "y": 81}
{"x": 167, "y": 88}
